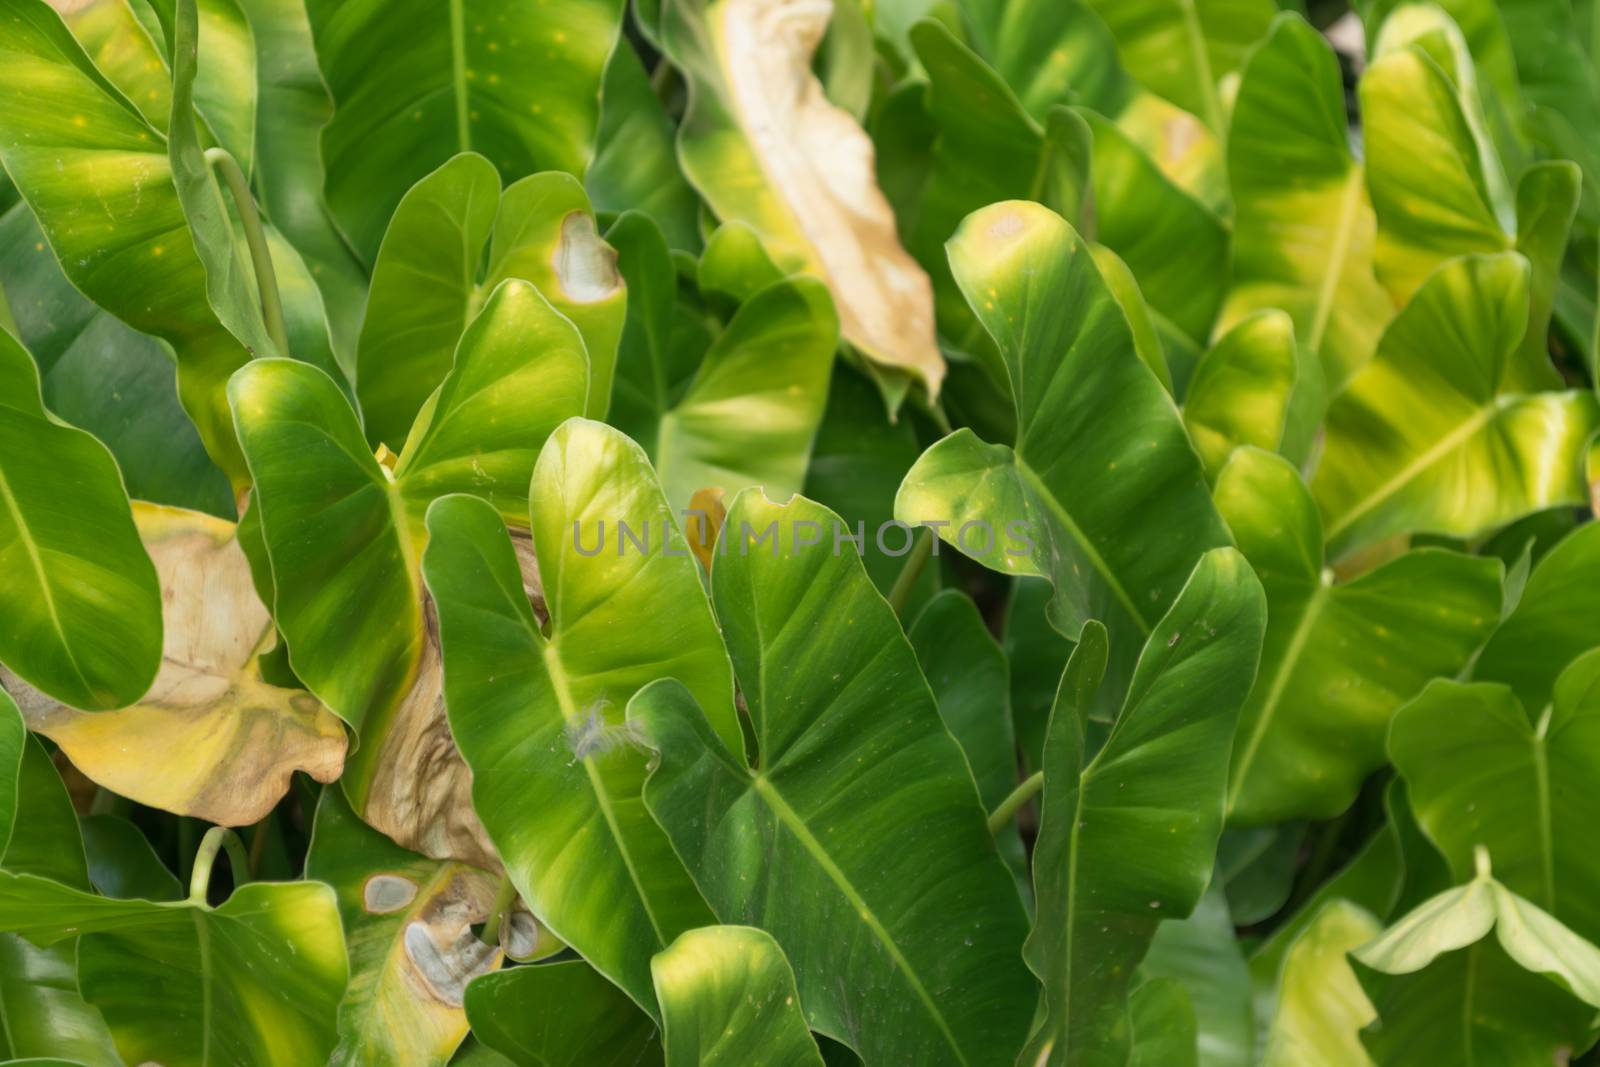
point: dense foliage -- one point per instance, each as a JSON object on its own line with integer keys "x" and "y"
{"x": 478, "y": 450}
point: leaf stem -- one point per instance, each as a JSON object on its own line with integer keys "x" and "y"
{"x": 217, "y": 838}
{"x": 258, "y": 843}
{"x": 900, "y": 592}
{"x": 256, "y": 237}
{"x": 1011, "y": 804}
{"x": 504, "y": 896}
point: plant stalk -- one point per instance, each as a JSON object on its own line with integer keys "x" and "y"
{"x": 900, "y": 592}
{"x": 1013, "y": 803}
{"x": 505, "y": 895}
{"x": 256, "y": 237}
{"x": 217, "y": 838}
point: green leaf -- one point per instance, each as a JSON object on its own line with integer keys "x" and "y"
{"x": 1127, "y": 833}
{"x": 122, "y": 863}
{"x": 1519, "y": 1000}
{"x": 415, "y": 84}
{"x": 1200, "y": 953}
{"x": 1211, "y": 36}
{"x": 1430, "y": 437}
{"x": 1321, "y": 1008}
{"x": 1552, "y": 624}
{"x": 428, "y": 285}
{"x": 560, "y": 1015}
{"x": 1255, "y": 386}
{"x": 575, "y": 837}
{"x": 1304, "y": 225}
{"x": 1339, "y": 659}
{"x": 1102, "y": 469}
{"x": 1164, "y": 1028}
{"x": 260, "y": 975}
{"x": 795, "y": 169}
{"x": 102, "y": 376}
{"x": 80, "y": 606}
{"x": 230, "y": 740}
{"x": 728, "y": 998}
{"x": 906, "y": 954}
{"x": 408, "y": 924}
{"x": 734, "y": 266}
{"x": 44, "y": 1012}
{"x": 1481, "y": 770}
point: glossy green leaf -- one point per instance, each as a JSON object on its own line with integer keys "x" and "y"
{"x": 428, "y": 284}
{"x": 1163, "y": 1025}
{"x": 734, "y": 266}
{"x": 1255, "y": 386}
{"x": 728, "y": 998}
{"x": 1429, "y": 436}
{"x": 762, "y": 145}
{"x": 906, "y": 954}
{"x": 1552, "y": 624}
{"x": 1200, "y": 954}
{"x": 1182, "y": 49}
{"x": 1321, "y": 1008}
{"x": 413, "y": 85}
{"x": 260, "y": 974}
{"x": 1482, "y": 770}
{"x": 1519, "y": 1000}
{"x": 560, "y": 1015}
{"x": 1103, "y": 478}
{"x": 1127, "y": 833}
{"x": 1339, "y": 659}
{"x": 1304, "y": 226}
{"x": 576, "y": 838}
{"x": 408, "y": 926}
{"x": 80, "y": 606}
{"x": 122, "y": 863}
{"x": 45, "y": 1015}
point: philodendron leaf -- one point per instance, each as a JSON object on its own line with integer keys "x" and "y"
{"x": 80, "y": 608}
{"x": 454, "y": 78}
{"x": 1483, "y": 770}
{"x": 734, "y": 267}
{"x": 905, "y": 952}
{"x": 232, "y": 740}
{"x": 122, "y": 862}
{"x": 728, "y": 999}
{"x": 1303, "y": 233}
{"x": 1332, "y": 673}
{"x": 344, "y": 537}
{"x": 1163, "y": 1025}
{"x": 1213, "y": 35}
{"x": 1320, "y": 1006}
{"x": 522, "y": 694}
{"x": 408, "y": 926}
{"x": 1431, "y": 436}
{"x": 560, "y": 1015}
{"x": 1443, "y": 989}
{"x": 1200, "y": 953}
{"x": 257, "y": 978}
{"x": 1127, "y": 834}
{"x": 763, "y": 145}
{"x": 1256, "y": 386}
{"x": 1552, "y": 624}
{"x": 430, "y": 282}
{"x": 1103, "y": 493}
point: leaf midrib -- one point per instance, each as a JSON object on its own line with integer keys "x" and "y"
{"x": 814, "y": 848}
{"x": 46, "y": 593}
{"x": 458, "y": 75}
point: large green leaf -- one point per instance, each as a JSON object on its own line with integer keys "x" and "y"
{"x": 1430, "y": 435}
{"x": 763, "y": 146}
{"x": 1552, "y": 624}
{"x": 728, "y": 999}
{"x": 122, "y": 862}
{"x": 1483, "y": 771}
{"x": 1182, "y": 49}
{"x": 80, "y": 609}
{"x": 1103, "y": 493}
{"x": 1443, "y": 990}
{"x": 104, "y": 377}
{"x": 575, "y": 836}
{"x": 1128, "y": 832}
{"x": 1339, "y": 659}
{"x": 254, "y": 981}
{"x": 415, "y": 83}
{"x": 1321, "y": 1008}
{"x": 1201, "y": 954}
{"x": 430, "y": 282}
{"x": 408, "y": 927}
{"x": 1255, "y": 386}
{"x": 560, "y": 1015}
{"x": 1304, "y": 226}
{"x": 859, "y": 844}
